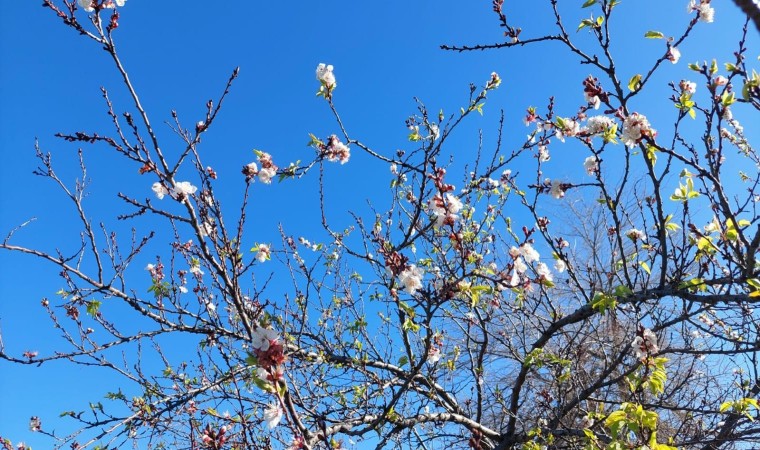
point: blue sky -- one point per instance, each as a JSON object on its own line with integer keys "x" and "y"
{"x": 179, "y": 55}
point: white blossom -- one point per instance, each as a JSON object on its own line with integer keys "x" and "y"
{"x": 435, "y": 133}
{"x": 635, "y": 128}
{"x": 593, "y": 100}
{"x": 445, "y": 211}
{"x": 263, "y": 338}
{"x": 434, "y": 355}
{"x": 673, "y": 55}
{"x": 529, "y": 253}
{"x": 86, "y": 5}
{"x": 263, "y": 252}
{"x": 543, "y": 153}
{"x": 646, "y": 344}
{"x": 636, "y": 235}
{"x": 591, "y": 164}
{"x": 159, "y": 190}
{"x": 560, "y": 266}
{"x": 266, "y": 175}
{"x": 114, "y": 3}
{"x": 543, "y": 271}
{"x": 599, "y": 124}
{"x": 272, "y": 415}
{"x": 687, "y": 86}
{"x": 411, "y": 278}
{"x": 570, "y": 128}
{"x": 326, "y": 76}
{"x": 196, "y": 270}
{"x": 183, "y": 189}
{"x": 336, "y": 151}
{"x": 520, "y": 266}
{"x": 706, "y": 12}
{"x": 557, "y": 191}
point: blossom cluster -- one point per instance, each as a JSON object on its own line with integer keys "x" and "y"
{"x": 522, "y": 256}
{"x": 411, "y": 278}
{"x": 706, "y": 12}
{"x": 591, "y": 164}
{"x": 180, "y": 191}
{"x": 635, "y": 128}
{"x": 268, "y": 348}
{"x": 263, "y": 253}
{"x": 266, "y": 173}
{"x": 592, "y": 92}
{"x": 326, "y": 79}
{"x": 336, "y": 151}
{"x": 644, "y": 344}
{"x": 90, "y": 5}
{"x": 445, "y": 211}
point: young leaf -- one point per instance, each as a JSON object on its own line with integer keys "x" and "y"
{"x": 635, "y": 83}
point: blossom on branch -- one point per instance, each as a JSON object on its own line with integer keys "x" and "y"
{"x": 445, "y": 212}
{"x": 434, "y": 355}
{"x": 263, "y": 338}
{"x": 263, "y": 253}
{"x": 411, "y": 278}
{"x": 599, "y": 124}
{"x": 272, "y": 415}
{"x": 183, "y": 189}
{"x": 110, "y": 4}
{"x": 687, "y": 86}
{"x": 706, "y": 12}
{"x": 529, "y": 253}
{"x": 326, "y": 79}
{"x": 635, "y": 128}
{"x": 159, "y": 190}
{"x": 336, "y": 151}
{"x": 673, "y": 55}
{"x": 268, "y": 168}
{"x": 557, "y": 189}
{"x": 636, "y": 235}
{"x": 591, "y": 164}
{"x": 543, "y": 272}
{"x": 86, "y": 5}
{"x": 645, "y": 344}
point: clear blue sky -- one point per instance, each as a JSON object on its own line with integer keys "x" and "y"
{"x": 179, "y": 55}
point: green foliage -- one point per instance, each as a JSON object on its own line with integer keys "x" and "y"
{"x": 743, "y": 407}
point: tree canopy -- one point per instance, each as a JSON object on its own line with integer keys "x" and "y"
{"x": 584, "y": 277}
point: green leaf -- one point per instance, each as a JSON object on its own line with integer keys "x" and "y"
{"x": 588, "y": 3}
{"x": 403, "y": 361}
{"x": 585, "y": 23}
{"x": 645, "y": 266}
{"x": 634, "y": 84}
{"x": 92, "y": 307}
{"x": 653, "y": 35}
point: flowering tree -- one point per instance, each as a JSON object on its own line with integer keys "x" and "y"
{"x": 474, "y": 314}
